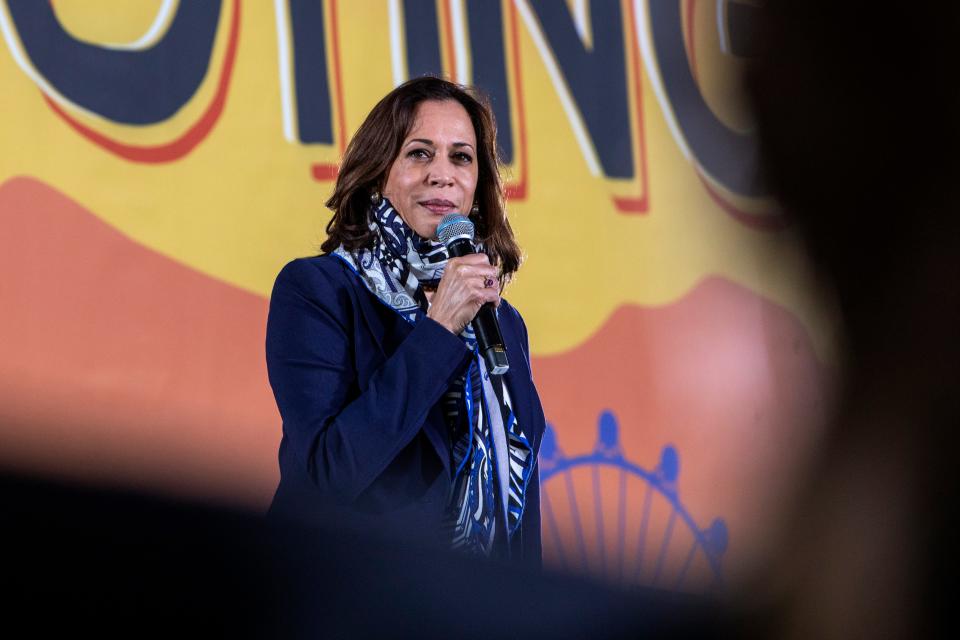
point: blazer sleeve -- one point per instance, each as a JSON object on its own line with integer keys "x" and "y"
{"x": 343, "y": 436}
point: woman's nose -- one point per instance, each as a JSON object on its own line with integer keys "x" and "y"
{"x": 440, "y": 173}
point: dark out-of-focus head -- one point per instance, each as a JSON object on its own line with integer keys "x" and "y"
{"x": 858, "y": 116}
{"x": 857, "y": 110}
{"x": 375, "y": 146}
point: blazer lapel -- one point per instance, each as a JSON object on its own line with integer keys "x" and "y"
{"x": 385, "y": 326}
{"x": 388, "y": 329}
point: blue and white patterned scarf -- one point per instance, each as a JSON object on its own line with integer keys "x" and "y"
{"x": 397, "y": 268}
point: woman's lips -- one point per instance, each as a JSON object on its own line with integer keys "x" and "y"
{"x": 440, "y": 207}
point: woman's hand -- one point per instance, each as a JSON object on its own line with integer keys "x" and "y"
{"x": 467, "y": 284}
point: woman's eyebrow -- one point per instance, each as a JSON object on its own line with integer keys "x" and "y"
{"x": 429, "y": 142}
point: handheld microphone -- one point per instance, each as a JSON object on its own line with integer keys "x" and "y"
{"x": 456, "y": 233}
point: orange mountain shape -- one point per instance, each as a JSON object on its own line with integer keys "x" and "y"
{"x": 121, "y": 365}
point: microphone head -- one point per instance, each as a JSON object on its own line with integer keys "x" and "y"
{"x": 454, "y": 226}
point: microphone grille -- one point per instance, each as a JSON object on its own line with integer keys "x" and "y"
{"x": 454, "y": 225}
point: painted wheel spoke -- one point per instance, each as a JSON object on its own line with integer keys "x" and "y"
{"x": 674, "y": 562}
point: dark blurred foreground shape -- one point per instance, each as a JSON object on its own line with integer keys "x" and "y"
{"x": 86, "y": 562}
{"x": 859, "y": 120}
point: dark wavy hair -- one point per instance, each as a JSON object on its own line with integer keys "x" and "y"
{"x": 376, "y": 145}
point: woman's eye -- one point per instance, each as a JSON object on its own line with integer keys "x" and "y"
{"x": 418, "y": 153}
{"x": 465, "y": 158}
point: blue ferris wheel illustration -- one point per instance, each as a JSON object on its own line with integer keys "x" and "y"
{"x": 624, "y": 523}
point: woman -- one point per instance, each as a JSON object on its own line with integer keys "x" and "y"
{"x": 387, "y": 409}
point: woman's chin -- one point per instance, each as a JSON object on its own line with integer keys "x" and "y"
{"x": 428, "y": 231}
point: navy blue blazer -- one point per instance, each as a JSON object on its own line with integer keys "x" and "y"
{"x": 359, "y": 389}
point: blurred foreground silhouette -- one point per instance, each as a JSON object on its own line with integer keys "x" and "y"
{"x": 126, "y": 565}
{"x": 859, "y": 121}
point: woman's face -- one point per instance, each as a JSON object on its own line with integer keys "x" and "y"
{"x": 435, "y": 172}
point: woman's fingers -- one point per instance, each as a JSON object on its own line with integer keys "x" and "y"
{"x": 468, "y": 283}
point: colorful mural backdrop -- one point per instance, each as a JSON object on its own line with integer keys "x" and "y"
{"x": 162, "y": 159}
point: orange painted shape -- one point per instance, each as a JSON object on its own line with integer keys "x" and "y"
{"x": 337, "y": 76}
{"x": 321, "y": 171}
{"x": 728, "y": 378}
{"x": 636, "y": 204}
{"x": 122, "y": 366}
{"x": 324, "y": 172}
{"x": 690, "y": 7}
{"x": 447, "y": 35}
{"x": 518, "y": 191}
